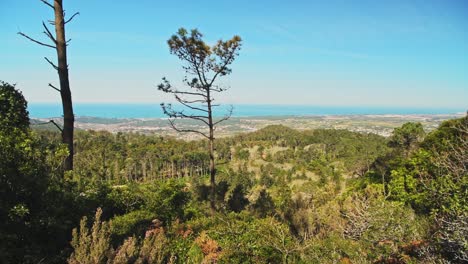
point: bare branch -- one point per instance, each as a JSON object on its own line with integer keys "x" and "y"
{"x": 167, "y": 109}
{"x": 42, "y": 123}
{"x": 59, "y": 128}
{"x": 55, "y": 88}
{"x": 194, "y": 101}
{"x": 171, "y": 122}
{"x": 218, "y": 88}
{"x": 182, "y": 115}
{"x": 47, "y": 3}
{"x": 48, "y": 33}
{"x": 50, "y": 121}
{"x": 167, "y": 88}
{"x": 70, "y": 19}
{"x": 199, "y": 118}
{"x": 186, "y": 103}
{"x": 36, "y": 41}
{"x": 189, "y": 93}
{"x": 201, "y": 74}
{"x": 51, "y": 63}
{"x": 226, "y": 117}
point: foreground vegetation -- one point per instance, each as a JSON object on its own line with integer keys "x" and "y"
{"x": 282, "y": 196}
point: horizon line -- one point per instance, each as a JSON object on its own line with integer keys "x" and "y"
{"x": 260, "y": 104}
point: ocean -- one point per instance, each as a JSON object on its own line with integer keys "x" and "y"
{"x": 122, "y": 110}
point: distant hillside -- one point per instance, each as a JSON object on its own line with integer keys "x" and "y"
{"x": 376, "y": 124}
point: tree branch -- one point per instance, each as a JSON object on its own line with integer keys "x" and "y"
{"x": 194, "y": 101}
{"x": 70, "y": 19}
{"x": 55, "y": 88}
{"x": 36, "y": 41}
{"x": 59, "y": 128}
{"x": 203, "y": 72}
{"x": 175, "y": 114}
{"x": 50, "y": 121}
{"x": 167, "y": 109}
{"x": 47, "y": 3}
{"x": 218, "y": 89}
{"x": 189, "y": 93}
{"x": 48, "y": 33}
{"x": 171, "y": 122}
{"x": 199, "y": 118}
{"x": 186, "y": 103}
{"x": 226, "y": 117}
{"x": 167, "y": 88}
{"x": 219, "y": 71}
{"x": 51, "y": 63}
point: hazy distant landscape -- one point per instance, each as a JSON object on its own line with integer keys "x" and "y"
{"x": 149, "y": 118}
{"x": 377, "y": 124}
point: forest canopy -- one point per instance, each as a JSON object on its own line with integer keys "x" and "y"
{"x": 284, "y": 195}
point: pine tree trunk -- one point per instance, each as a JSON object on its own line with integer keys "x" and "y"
{"x": 212, "y": 159}
{"x": 212, "y": 178}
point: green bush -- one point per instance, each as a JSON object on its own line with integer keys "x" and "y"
{"x": 133, "y": 223}
{"x": 166, "y": 199}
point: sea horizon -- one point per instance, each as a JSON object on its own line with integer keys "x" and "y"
{"x": 149, "y": 110}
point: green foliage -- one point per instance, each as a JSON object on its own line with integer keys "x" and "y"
{"x": 321, "y": 196}
{"x": 126, "y": 198}
{"x": 238, "y": 237}
{"x": 242, "y": 154}
{"x": 13, "y": 108}
{"x": 125, "y": 158}
{"x": 167, "y": 199}
{"x": 407, "y": 137}
{"x": 237, "y": 185}
{"x": 293, "y": 217}
{"x": 433, "y": 180}
{"x": 276, "y": 241}
{"x": 403, "y": 185}
{"x": 132, "y": 223}
{"x": 446, "y": 185}
{"x": 237, "y": 201}
{"x": 449, "y": 134}
{"x": 334, "y": 249}
{"x": 282, "y": 198}
{"x": 263, "y": 205}
{"x": 215, "y": 58}
{"x": 26, "y": 186}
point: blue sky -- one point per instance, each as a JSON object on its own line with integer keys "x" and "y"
{"x": 347, "y": 53}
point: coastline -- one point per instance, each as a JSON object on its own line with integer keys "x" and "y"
{"x": 143, "y": 111}
{"x": 377, "y": 124}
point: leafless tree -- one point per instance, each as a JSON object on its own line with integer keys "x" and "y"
{"x": 59, "y": 43}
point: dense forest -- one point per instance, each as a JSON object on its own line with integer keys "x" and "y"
{"x": 282, "y": 195}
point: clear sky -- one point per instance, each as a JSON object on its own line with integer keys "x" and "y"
{"x": 364, "y": 53}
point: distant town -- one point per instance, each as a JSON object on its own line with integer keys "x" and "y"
{"x": 377, "y": 124}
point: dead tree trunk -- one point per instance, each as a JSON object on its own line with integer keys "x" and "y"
{"x": 65, "y": 92}
{"x": 59, "y": 43}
